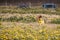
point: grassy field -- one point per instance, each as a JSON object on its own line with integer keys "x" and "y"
{"x": 22, "y": 24}
{"x": 18, "y": 10}
{"x": 24, "y": 32}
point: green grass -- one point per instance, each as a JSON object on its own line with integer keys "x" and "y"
{"x": 17, "y": 19}
{"x": 28, "y": 10}
{"x": 56, "y": 21}
{"x": 23, "y": 32}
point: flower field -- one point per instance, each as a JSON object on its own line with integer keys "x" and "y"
{"x": 22, "y": 23}
{"x": 28, "y": 33}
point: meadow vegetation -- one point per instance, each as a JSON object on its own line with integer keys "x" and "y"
{"x": 56, "y": 21}
{"x": 12, "y": 10}
{"x": 18, "y": 19}
{"x": 28, "y": 33}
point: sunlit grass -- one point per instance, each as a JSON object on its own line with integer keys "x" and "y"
{"x": 56, "y": 21}
{"x": 10, "y": 32}
{"x": 28, "y": 33}
{"x": 28, "y": 10}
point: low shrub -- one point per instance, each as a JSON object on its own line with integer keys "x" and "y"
{"x": 21, "y": 19}
{"x": 29, "y": 19}
{"x": 56, "y": 21}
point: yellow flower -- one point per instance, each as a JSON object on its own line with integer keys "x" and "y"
{"x": 40, "y": 30}
{"x": 56, "y": 31}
